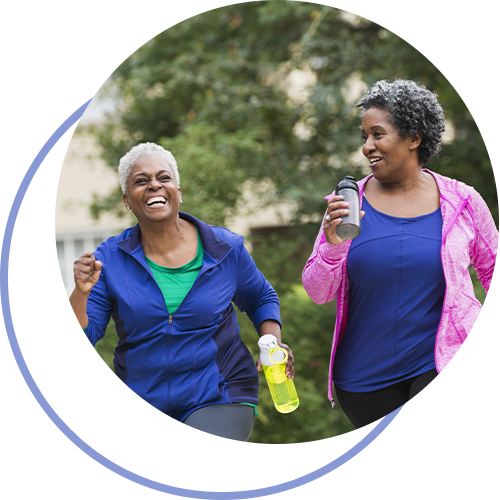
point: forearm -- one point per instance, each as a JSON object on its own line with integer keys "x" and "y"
{"x": 78, "y": 301}
{"x": 323, "y": 271}
{"x": 271, "y": 327}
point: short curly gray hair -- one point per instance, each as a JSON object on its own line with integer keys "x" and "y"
{"x": 146, "y": 148}
{"x": 413, "y": 109}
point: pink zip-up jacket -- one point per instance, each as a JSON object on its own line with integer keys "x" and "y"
{"x": 469, "y": 236}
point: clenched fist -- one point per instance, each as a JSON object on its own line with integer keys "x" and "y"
{"x": 86, "y": 272}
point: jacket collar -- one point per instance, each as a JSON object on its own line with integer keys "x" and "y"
{"x": 216, "y": 247}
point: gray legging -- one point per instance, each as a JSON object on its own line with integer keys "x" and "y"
{"x": 232, "y": 421}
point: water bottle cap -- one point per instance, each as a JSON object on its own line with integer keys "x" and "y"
{"x": 270, "y": 353}
{"x": 348, "y": 182}
{"x": 268, "y": 342}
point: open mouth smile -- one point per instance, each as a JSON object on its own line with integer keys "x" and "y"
{"x": 156, "y": 201}
{"x": 374, "y": 161}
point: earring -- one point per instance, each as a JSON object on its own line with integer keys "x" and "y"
{"x": 127, "y": 207}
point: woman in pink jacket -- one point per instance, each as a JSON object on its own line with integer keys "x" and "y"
{"x": 405, "y": 300}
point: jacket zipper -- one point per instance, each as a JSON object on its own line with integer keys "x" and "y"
{"x": 170, "y": 320}
{"x": 168, "y": 370}
{"x": 170, "y": 317}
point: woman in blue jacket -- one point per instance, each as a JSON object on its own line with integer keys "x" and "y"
{"x": 169, "y": 283}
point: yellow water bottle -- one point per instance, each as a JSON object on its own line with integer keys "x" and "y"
{"x": 273, "y": 359}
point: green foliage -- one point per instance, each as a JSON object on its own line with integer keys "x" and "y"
{"x": 213, "y": 180}
{"x": 478, "y": 288}
{"x": 106, "y": 346}
{"x": 281, "y": 253}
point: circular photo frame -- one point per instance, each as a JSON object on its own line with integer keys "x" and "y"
{"x": 92, "y": 450}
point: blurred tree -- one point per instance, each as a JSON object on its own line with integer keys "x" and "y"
{"x": 268, "y": 90}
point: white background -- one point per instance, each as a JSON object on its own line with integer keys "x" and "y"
{"x": 55, "y": 57}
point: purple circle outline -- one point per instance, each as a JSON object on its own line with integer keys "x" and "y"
{"x": 172, "y": 490}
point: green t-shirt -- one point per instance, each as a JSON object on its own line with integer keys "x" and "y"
{"x": 175, "y": 282}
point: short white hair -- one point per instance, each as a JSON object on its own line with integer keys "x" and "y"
{"x": 145, "y": 149}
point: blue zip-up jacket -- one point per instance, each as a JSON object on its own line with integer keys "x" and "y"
{"x": 195, "y": 357}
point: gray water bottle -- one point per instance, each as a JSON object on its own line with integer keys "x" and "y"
{"x": 350, "y": 227}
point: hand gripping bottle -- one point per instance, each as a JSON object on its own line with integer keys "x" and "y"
{"x": 350, "y": 227}
{"x": 273, "y": 359}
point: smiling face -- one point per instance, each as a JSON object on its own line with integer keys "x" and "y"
{"x": 392, "y": 157}
{"x": 153, "y": 194}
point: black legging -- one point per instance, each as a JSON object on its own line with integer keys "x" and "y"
{"x": 232, "y": 421}
{"x": 363, "y": 408}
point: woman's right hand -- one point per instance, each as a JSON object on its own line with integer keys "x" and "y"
{"x": 86, "y": 272}
{"x": 337, "y": 207}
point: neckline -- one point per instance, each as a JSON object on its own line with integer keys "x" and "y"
{"x": 194, "y": 261}
{"x": 365, "y": 200}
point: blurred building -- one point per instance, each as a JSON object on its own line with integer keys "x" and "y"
{"x": 83, "y": 173}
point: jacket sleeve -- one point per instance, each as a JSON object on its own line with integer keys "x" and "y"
{"x": 483, "y": 252}
{"x": 254, "y": 294}
{"x": 99, "y": 305}
{"x": 323, "y": 271}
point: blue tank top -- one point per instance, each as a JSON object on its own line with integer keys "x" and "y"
{"x": 396, "y": 293}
